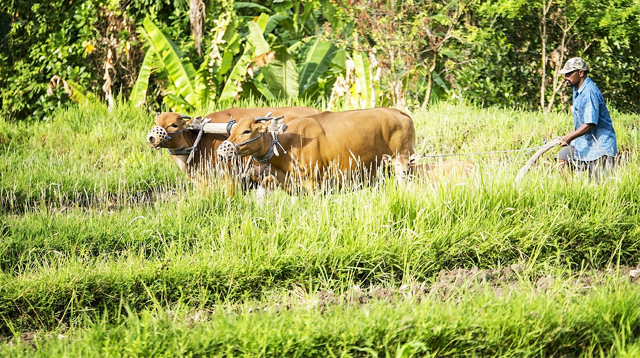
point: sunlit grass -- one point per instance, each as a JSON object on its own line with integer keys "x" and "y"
{"x": 563, "y": 319}
{"x": 95, "y": 223}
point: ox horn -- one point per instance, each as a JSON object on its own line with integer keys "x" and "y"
{"x": 267, "y": 118}
{"x": 184, "y": 116}
{"x": 230, "y": 124}
{"x": 264, "y": 118}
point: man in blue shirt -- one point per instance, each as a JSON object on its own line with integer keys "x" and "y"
{"x": 592, "y": 145}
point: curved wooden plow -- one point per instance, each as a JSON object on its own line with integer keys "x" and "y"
{"x": 534, "y": 158}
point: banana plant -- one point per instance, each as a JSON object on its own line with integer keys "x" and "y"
{"x": 181, "y": 75}
{"x": 139, "y": 91}
{"x": 362, "y": 90}
{"x": 278, "y": 76}
{"x": 316, "y": 63}
{"x": 240, "y": 63}
{"x": 256, "y": 54}
{"x": 282, "y": 77}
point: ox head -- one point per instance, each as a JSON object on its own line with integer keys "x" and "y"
{"x": 245, "y": 134}
{"x": 400, "y": 164}
{"x": 167, "y": 130}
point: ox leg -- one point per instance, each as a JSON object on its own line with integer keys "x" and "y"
{"x": 229, "y": 187}
{"x": 202, "y": 185}
{"x": 229, "y": 175}
{"x": 260, "y": 195}
{"x": 269, "y": 182}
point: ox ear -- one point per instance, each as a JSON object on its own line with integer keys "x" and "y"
{"x": 194, "y": 123}
{"x": 276, "y": 124}
{"x": 386, "y": 159}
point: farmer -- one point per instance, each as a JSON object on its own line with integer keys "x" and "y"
{"x": 592, "y": 145}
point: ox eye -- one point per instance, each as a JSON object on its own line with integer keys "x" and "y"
{"x": 174, "y": 125}
{"x": 247, "y": 131}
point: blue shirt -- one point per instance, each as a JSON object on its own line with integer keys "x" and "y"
{"x": 589, "y": 107}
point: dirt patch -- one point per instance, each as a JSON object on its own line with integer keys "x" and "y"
{"x": 450, "y": 282}
{"x": 13, "y": 204}
{"x": 28, "y": 337}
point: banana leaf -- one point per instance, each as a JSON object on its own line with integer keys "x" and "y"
{"x": 318, "y": 60}
{"x": 247, "y": 5}
{"x": 273, "y": 22}
{"x": 281, "y": 6}
{"x": 257, "y": 39}
{"x": 262, "y": 21}
{"x": 181, "y": 74}
{"x": 205, "y": 86}
{"x": 262, "y": 88}
{"x": 362, "y": 73}
{"x": 177, "y": 103}
{"x": 232, "y": 49}
{"x": 139, "y": 91}
{"x": 238, "y": 73}
{"x": 308, "y": 10}
{"x": 281, "y": 75}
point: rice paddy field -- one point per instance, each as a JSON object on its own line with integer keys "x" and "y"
{"x": 106, "y": 249}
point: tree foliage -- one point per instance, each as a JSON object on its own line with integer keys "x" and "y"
{"x": 408, "y": 38}
{"x": 368, "y": 52}
{"x": 505, "y": 55}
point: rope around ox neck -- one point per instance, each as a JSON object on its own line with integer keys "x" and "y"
{"x": 191, "y": 150}
{"x": 273, "y": 150}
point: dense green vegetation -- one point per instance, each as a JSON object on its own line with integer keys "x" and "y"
{"x": 108, "y": 250}
{"x": 498, "y": 52}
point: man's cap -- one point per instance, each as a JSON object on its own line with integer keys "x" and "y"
{"x": 574, "y": 64}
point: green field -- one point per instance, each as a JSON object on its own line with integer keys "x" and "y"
{"x": 108, "y": 250}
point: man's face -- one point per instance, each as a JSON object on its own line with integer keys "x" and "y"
{"x": 572, "y": 79}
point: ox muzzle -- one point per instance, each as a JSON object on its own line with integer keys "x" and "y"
{"x": 227, "y": 151}
{"x": 157, "y": 137}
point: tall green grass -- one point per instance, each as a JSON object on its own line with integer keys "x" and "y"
{"x": 94, "y": 223}
{"x": 525, "y": 322}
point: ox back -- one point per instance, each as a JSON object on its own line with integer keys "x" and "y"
{"x": 342, "y": 146}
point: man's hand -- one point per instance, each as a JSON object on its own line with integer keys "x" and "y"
{"x": 566, "y": 140}
{"x": 582, "y": 130}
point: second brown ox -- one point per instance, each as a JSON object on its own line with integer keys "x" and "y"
{"x": 407, "y": 167}
{"x": 173, "y": 132}
{"x": 330, "y": 147}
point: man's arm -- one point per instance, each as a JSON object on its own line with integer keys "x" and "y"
{"x": 582, "y": 130}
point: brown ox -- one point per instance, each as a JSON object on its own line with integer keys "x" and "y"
{"x": 407, "y": 167}
{"x": 175, "y": 133}
{"x": 327, "y": 147}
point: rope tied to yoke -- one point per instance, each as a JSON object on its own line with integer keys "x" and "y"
{"x": 192, "y": 150}
{"x": 544, "y": 143}
{"x": 273, "y": 150}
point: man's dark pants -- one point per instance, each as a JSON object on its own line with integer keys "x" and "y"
{"x": 597, "y": 169}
